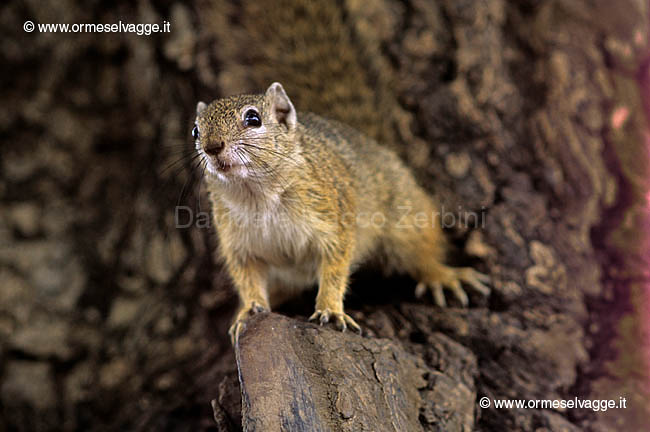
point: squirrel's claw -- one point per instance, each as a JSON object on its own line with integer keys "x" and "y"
{"x": 340, "y": 319}
{"x": 240, "y": 320}
{"x": 476, "y": 280}
{"x": 234, "y": 330}
{"x": 466, "y": 274}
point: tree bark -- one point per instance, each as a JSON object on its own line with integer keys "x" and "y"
{"x": 297, "y": 376}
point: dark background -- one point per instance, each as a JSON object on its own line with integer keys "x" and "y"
{"x": 111, "y": 318}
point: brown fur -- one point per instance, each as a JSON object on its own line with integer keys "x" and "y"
{"x": 306, "y": 200}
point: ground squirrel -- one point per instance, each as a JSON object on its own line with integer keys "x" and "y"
{"x": 298, "y": 199}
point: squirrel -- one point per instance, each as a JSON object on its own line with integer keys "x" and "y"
{"x": 298, "y": 199}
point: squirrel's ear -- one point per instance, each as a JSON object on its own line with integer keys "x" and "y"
{"x": 282, "y": 110}
{"x": 200, "y": 107}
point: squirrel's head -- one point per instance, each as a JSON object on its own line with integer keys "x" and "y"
{"x": 247, "y": 135}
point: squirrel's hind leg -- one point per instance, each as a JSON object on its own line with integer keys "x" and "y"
{"x": 451, "y": 278}
{"x": 419, "y": 250}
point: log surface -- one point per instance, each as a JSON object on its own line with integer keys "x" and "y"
{"x": 296, "y": 376}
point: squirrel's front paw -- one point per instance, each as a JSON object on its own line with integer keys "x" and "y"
{"x": 240, "y": 320}
{"x": 340, "y": 319}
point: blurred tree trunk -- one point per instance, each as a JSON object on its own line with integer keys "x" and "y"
{"x": 114, "y": 318}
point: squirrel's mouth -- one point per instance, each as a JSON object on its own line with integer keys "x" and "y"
{"x": 223, "y": 166}
{"x": 220, "y": 166}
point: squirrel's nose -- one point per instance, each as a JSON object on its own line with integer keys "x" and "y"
{"x": 215, "y": 149}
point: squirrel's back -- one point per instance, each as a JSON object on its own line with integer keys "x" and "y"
{"x": 381, "y": 180}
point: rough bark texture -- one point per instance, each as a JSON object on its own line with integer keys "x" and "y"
{"x": 294, "y": 376}
{"x": 528, "y": 113}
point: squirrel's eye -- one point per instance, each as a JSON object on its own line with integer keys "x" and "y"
{"x": 252, "y": 118}
{"x": 195, "y": 132}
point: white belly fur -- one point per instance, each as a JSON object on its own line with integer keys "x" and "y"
{"x": 275, "y": 238}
